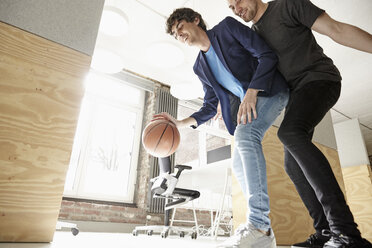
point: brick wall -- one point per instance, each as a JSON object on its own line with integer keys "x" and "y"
{"x": 80, "y": 210}
{"x": 103, "y": 212}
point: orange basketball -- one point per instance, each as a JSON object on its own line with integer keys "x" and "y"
{"x": 161, "y": 138}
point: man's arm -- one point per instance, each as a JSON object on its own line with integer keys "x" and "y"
{"x": 342, "y": 33}
{"x": 265, "y": 71}
{"x": 189, "y": 121}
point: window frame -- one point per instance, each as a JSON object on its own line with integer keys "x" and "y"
{"x": 211, "y": 127}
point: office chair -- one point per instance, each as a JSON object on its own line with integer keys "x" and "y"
{"x": 164, "y": 186}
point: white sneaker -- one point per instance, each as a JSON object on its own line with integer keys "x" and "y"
{"x": 230, "y": 242}
{"x": 248, "y": 236}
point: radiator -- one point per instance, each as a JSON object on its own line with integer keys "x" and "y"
{"x": 165, "y": 102}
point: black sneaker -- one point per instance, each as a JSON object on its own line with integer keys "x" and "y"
{"x": 315, "y": 240}
{"x": 342, "y": 241}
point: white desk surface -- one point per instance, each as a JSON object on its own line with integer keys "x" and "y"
{"x": 210, "y": 177}
{"x": 209, "y": 180}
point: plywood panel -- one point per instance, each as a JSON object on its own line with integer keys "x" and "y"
{"x": 290, "y": 219}
{"x": 41, "y": 87}
{"x": 358, "y": 185}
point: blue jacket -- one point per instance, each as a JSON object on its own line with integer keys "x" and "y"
{"x": 248, "y": 58}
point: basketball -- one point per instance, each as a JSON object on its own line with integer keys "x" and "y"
{"x": 161, "y": 138}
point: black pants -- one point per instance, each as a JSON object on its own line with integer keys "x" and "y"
{"x": 306, "y": 165}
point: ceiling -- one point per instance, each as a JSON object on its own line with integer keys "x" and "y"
{"x": 147, "y": 27}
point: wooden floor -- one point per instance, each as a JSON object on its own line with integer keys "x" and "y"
{"x": 118, "y": 240}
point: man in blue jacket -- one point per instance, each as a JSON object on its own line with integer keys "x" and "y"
{"x": 315, "y": 84}
{"x": 237, "y": 70}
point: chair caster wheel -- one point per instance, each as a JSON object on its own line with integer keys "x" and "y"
{"x": 75, "y": 231}
{"x": 164, "y": 234}
{"x": 182, "y": 234}
{"x": 194, "y": 235}
{"x": 135, "y": 233}
{"x": 149, "y": 232}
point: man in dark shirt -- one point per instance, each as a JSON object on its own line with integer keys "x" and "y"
{"x": 315, "y": 87}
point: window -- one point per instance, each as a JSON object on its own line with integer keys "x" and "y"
{"x": 105, "y": 151}
{"x": 196, "y": 143}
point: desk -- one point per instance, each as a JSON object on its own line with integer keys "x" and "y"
{"x": 210, "y": 181}
{"x": 213, "y": 181}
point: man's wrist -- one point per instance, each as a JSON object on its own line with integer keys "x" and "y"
{"x": 254, "y": 90}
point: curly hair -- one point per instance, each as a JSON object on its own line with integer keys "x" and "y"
{"x": 186, "y": 14}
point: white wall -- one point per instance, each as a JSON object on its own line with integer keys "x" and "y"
{"x": 350, "y": 143}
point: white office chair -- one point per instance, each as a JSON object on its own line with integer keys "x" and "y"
{"x": 164, "y": 186}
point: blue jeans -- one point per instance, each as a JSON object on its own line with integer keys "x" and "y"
{"x": 249, "y": 164}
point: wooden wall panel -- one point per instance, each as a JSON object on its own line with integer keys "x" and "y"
{"x": 358, "y": 185}
{"x": 41, "y": 87}
{"x": 290, "y": 219}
